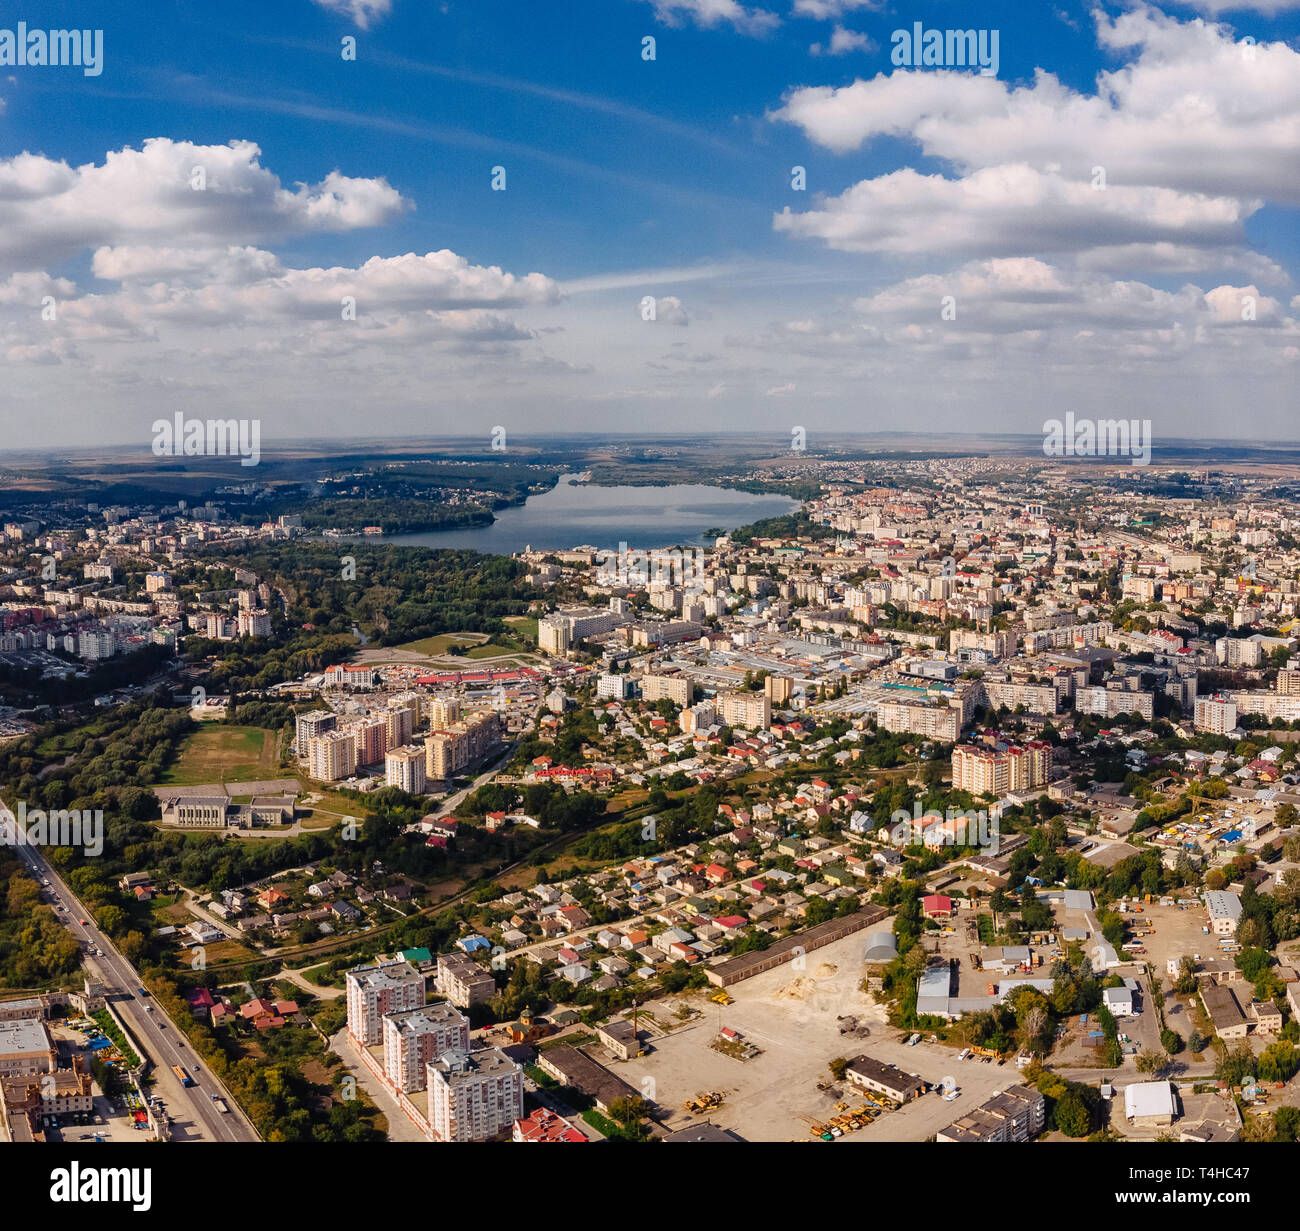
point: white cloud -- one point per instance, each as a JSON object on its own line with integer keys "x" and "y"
{"x": 1194, "y": 112}
{"x": 842, "y": 42}
{"x": 1266, "y": 8}
{"x": 1010, "y": 209}
{"x": 1186, "y": 142}
{"x": 669, "y": 310}
{"x": 710, "y": 13}
{"x": 824, "y": 10}
{"x": 362, "y": 12}
{"x": 148, "y": 197}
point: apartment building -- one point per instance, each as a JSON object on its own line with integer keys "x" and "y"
{"x": 404, "y": 768}
{"x": 778, "y": 689}
{"x": 253, "y": 623}
{"x": 415, "y": 1037}
{"x": 332, "y": 756}
{"x": 1288, "y": 682}
{"x": 443, "y": 712}
{"x": 460, "y": 745}
{"x": 374, "y": 991}
{"x": 675, "y": 688}
{"x": 938, "y": 722}
{"x": 350, "y": 677}
{"x": 750, "y": 711}
{"x": 997, "y": 645}
{"x": 474, "y": 1097}
{"x": 1018, "y": 1113}
{"x": 308, "y": 726}
{"x": 697, "y": 717}
{"x": 1011, "y": 694}
{"x": 560, "y": 631}
{"x": 1267, "y": 705}
{"x": 371, "y": 736}
{"x": 996, "y": 771}
{"x": 1238, "y": 652}
{"x": 1112, "y": 702}
{"x": 463, "y": 981}
{"x": 612, "y": 687}
{"x": 399, "y": 725}
{"x": 1217, "y": 715}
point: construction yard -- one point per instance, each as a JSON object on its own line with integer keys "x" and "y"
{"x": 792, "y": 1016}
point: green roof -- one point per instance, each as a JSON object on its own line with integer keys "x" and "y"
{"x": 417, "y": 955}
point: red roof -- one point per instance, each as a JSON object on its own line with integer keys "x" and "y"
{"x": 545, "y": 1125}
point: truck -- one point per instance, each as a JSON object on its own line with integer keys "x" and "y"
{"x": 220, "y": 1105}
{"x": 182, "y": 1076}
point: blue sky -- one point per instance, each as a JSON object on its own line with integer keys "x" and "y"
{"x": 1168, "y": 294}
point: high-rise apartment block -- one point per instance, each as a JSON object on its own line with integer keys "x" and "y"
{"x": 374, "y": 991}
{"x": 414, "y": 1037}
{"x": 474, "y": 1097}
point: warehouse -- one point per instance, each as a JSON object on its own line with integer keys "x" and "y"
{"x": 749, "y": 964}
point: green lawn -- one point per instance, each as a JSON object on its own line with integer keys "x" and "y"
{"x": 439, "y": 644}
{"x": 524, "y": 626}
{"x": 224, "y": 754}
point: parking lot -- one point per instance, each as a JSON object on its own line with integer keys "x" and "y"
{"x": 108, "y": 1122}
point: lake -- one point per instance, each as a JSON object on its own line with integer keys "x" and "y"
{"x": 575, "y": 514}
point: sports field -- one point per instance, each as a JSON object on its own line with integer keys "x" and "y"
{"x": 224, "y": 754}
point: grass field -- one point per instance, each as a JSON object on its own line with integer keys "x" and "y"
{"x": 224, "y": 754}
{"x": 490, "y": 649}
{"x": 441, "y": 643}
{"x": 524, "y": 626}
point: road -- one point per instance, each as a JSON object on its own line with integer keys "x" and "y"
{"x": 152, "y": 1029}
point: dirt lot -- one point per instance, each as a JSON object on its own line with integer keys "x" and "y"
{"x": 1177, "y": 935}
{"x": 791, "y": 1014}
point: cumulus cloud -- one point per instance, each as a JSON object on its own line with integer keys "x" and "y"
{"x": 1010, "y": 209}
{"x": 669, "y": 310}
{"x": 1157, "y": 170}
{"x": 171, "y": 193}
{"x": 1195, "y": 111}
{"x": 842, "y": 42}
{"x": 190, "y": 299}
{"x": 710, "y": 13}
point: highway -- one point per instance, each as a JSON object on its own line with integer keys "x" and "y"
{"x": 148, "y": 1023}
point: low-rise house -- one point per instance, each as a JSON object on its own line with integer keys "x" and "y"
{"x": 869, "y": 1074}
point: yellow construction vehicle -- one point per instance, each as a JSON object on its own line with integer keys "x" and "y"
{"x": 723, "y": 998}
